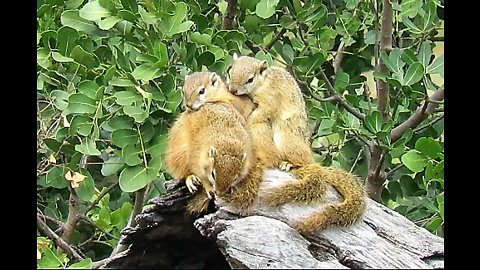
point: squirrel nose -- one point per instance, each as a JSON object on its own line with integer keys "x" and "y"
{"x": 232, "y": 89}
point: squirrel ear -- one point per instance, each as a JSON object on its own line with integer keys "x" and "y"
{"x": 212, "y": 152}
{"x": 214, "y": 79}
{"x": 235, "y": 56}
{"x": 263, "y": 67}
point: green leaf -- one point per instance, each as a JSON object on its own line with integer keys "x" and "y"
{"x": 414, "y": 160}
{"x": 409, "y": 56}
{"x": 174, "y": 98}
{"x": 440, "y": 201}
{"x": 85, "y": 189}
{"x": 88, "y": 147}
{"x": 108, "y": 23}
{"x": 160, "y": 51}
{"x": 130, "y": 154}
{"x": 60, "y": 99}
{"x": 130, "y": 5}
{"x": 72, "y": 19}
{"x": 156, "y": 147}
{"x": 81, "y": 124}
{"x": 428, "y": 146}
{"x": 56, "y": 177}
{"x": 373, "y": 122}
{"x": 308, "y": 64}
{"x": 387, "y": 62}
{"x": 92, "y": 11}
{"x": 173, "y": 25}
{"x": 146, "y": 72}
{"x": 121, "y": 82}
{"x": 369, "y": 37}
{"x": 60, "y": 58}
{"x": 436, "y": 67}
{"x": 154, "y": 166}
{"x": 207, "y": 58}
{"x": 125, "y": 98}
{"x": 411, "y": 26}
{"x": 85, "y": 263}
{"x": 66, "y": 39}
{"x": 266, "y": 8}
{"x": 88, "y": 88}
{"x": 123, "y": 137}
{"x": 112, "y": 165}
{"x": 73, "y": 4}
{"x": 203, "y": 39}
{"x": 136, "y": 112}
{"x": 43, "y": 58}
{"x": 128, "y": 16}
{"x": 79, "y": 103}
{"x": 414, "y": 74}
{"x": 133, "y": 178}
{"x": 120, "y": 122}
{"x": 425, "y": 53}
{"x": 85, "y": 58}
{"x": 341, "y": 81}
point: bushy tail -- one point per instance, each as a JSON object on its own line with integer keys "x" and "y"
{"x": 311, "y": 187}
{"x": 198, "y": 204}
{"x": 242, "y": 195}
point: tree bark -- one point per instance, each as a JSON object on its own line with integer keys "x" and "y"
{"x": 165, "y": 236}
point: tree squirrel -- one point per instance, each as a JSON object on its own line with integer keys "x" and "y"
{"x": 280, "y": 112}
{"x": 280, "y": 138}
{"x": 209, "y": 138}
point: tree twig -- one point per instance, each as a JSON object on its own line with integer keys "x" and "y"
{"x": 90, "y": 221}
{"x": 338, "y": 58}
{"x": 419, "y": 115}
{"x": 229, "y": 15}
{"x": 356, "y": 160}
{"x": 101, "y": 196}
{"x": 275, "y": 38}
{"x": 58, "y": 240}
{"x": 431, "y": 123}
{"x": 392, "y": 171}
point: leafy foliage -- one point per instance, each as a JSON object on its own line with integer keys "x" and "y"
{"x": 109, "y": 75}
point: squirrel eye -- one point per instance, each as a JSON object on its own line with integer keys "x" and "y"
{"x": 201, "y": 91}
{"x": 250, "y": 80}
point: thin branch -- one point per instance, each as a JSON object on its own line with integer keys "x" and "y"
{"x": 356, "y": 160}
{"x": 101, "y": 196}
{"x": 338, "y": 58}
{"x": 339, "y": 99}
{"x": 275, "y": 38}
{"x": 58, "y": 241}
{"x": 252, "y": 47}
{"x": 392, "y": 171}
{"x": 420, "y": 114}
{"x": 431, "y": 123}
{"x": 229, "y": 15}
{"x": 90, "y": 221}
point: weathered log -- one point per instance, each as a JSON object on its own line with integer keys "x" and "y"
{"x": 167, "y": 237}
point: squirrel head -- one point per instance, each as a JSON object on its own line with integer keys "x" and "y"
{"x": 225, "y": 171}
{"x": 246, "y": 75}
{"x": 200, "y": 88}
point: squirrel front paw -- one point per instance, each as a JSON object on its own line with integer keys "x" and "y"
{"x": 285, "y": 166}
{"x": 191, "y": 183}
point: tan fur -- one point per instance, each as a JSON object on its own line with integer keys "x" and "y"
{"x": 210, "y": 122}
{"x": 280, "y": 110}
{"x": 280, "y": 137}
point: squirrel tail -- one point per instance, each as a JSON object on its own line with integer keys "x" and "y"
{"x": 314, "y": 179}
{"x": 198, "y": 203}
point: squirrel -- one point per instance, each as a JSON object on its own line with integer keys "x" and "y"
{"x": 281, "y": 139}
{"x": 209, "y": 137}
{"x": 281, "y": 127}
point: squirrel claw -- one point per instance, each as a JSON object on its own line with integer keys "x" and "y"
{"x": 190, "y": 183}
{"x": 285, "y": 166}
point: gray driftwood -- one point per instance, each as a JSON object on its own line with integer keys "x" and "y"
{"x": 166, "y": 237}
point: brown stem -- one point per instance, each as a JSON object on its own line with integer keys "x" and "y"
{"x": 338, "y": 58}
{"x": 375, "y": 177}
{"x": 72, "y": 216}
{"x": 229, "y": 15}
{"x": 420, "y": 114}
{"x": 385, "y": 46}
{"x": 137, "y": 208}
{"x": 58, "y": 240}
